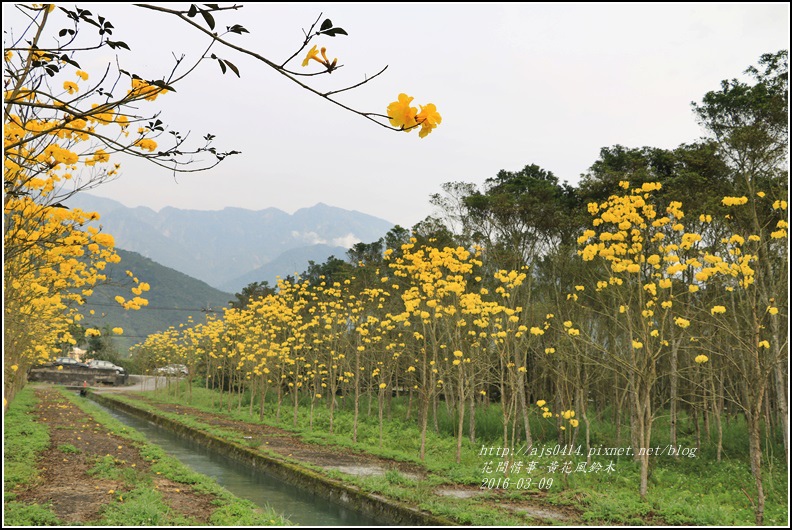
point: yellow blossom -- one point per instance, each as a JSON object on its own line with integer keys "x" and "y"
{"x": 734, "y": 201}
{"x": 429, "y": 119}
{"x": 401, "y": 114}
{"x": 147, "y": 144}
{"x": 313, "y": 53}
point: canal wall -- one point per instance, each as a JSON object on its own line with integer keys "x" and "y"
{"x": 381, "y": 508}
{"x": 76, "y": 375}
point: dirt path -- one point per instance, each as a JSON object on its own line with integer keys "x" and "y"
{"x": 68, "y": 479}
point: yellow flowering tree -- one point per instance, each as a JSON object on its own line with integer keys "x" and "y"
{"x": 62, "y": 127}
{"x": 745, "y": 309}
{"x": 60, "y": 130}
{"x": 641, "y": 256}
{"x": 749, "y": 123}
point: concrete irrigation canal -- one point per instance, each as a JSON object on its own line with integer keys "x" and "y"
{"x": 246, "y": 481}
{"x": 300, "y": 494}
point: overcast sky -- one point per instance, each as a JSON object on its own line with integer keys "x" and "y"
{"x": 516, "y": 84}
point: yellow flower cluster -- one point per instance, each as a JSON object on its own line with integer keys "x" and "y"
{"x": 313, "y": 55}
{"x": 734, "y": 201}
{"x": 407, "y": 118}
{"x": 146, "y": 144}
{"x": 144, "y": 90}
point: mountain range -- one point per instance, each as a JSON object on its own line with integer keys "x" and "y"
{"x": 230, "y": 248}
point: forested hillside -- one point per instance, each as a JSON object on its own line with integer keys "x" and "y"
{"x": 174, "y": 298}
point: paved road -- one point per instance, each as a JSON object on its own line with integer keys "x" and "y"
{"x": 137, "y": 383}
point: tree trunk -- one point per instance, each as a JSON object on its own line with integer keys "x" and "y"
{"x": 783, "y": 407}
{"x": 472, "y": 425}
{"x": 755, "y": 446}
{"x": 673, "y": 404}
{"x": 357, "y": 398}
{"x": 424, "y": 425}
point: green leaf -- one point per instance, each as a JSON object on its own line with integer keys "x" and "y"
{"x": 233, "y": 68}
{"x": 117, "y": 44}
{"x": 209, "y": 19}
{"x": 236, "y": 28}
{"x": 65, "y": 58}
{"x": 222, "y": 65}
{"x": 327, "y": 24}
{"x": 193, "y": 11}
{"x": 335, "y": 31}
{"x": 162, "y": 84}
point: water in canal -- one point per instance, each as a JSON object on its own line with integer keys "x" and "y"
{"x": 244, "y": 481}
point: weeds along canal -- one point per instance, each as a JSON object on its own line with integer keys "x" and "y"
{"x": 299, "y": 506}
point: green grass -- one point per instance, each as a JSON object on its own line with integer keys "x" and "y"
{"x": 19, "y": 514}
{"x": 68, "y": 449}
{"x": 142, "y": 506}
{"x": 24, "y": 440}
{"x": 682, "y": 491}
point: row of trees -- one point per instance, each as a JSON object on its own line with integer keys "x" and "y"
{"x": 658, "y": 284}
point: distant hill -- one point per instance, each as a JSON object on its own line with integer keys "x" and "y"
{"x": 223, "y": 248}
{"x": 290, "y": 262}
{"x": 173, "y": 298}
